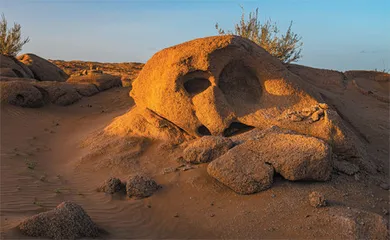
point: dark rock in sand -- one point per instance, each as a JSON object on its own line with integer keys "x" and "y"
{"x": 113, "y": 185}
{"x": 206, "y": 149}
{"x": 141, "y": 186}
{"x": 67, "y": 221}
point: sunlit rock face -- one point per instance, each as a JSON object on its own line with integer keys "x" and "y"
{"x": 222, "y": 86}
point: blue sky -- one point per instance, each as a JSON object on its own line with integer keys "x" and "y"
{"x": 337, "y": 34}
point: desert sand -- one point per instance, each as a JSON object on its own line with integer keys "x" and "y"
{"x": 56, "y": 153}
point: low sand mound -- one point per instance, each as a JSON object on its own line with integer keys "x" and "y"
{"x": 43, "y": 70}
{"x": 67, "y": 221}
{"x": 58, "y": 93}
{"x": 143, "y": 122}
{"x": 21, "y": 93}
{"x": 379, "y": 90}
{"x": 19, "y": 69}
{"x": 324, "y": 78}
{"x": 248, "y": 168}
{"x": 372, "y": 75}
{"x": 102, "y": 81}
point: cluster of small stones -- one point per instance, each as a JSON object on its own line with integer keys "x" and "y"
{"x": 137, "y": 186}
{"x": 312, "y": 114}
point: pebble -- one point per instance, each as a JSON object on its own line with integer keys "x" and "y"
{"x": 176, "y": 215}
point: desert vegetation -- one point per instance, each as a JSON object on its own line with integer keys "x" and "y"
{"x": 11, "y": 42}
{"x": 286, "y": 47}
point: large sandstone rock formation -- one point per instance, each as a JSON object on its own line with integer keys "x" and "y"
{"x": 43, "y": 70}
{"x": 225, "y": 85}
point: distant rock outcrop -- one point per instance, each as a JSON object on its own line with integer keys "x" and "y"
{"x": 11, "y": 67}
{"x": 43, "y": 70}
{"x": 101, "y": 80}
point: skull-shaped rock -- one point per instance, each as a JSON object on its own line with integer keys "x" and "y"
{"x": 207, "y": 85}
{"x": 224, "y": 85}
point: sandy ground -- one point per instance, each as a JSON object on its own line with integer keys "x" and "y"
{"x": 41, "y": 167}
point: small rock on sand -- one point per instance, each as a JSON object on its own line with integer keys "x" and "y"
{"x": 141, "y": 186}
{"x": 317, "y": 199}
{"x": 113, "y": 185}
{"x": 67, "y": 221}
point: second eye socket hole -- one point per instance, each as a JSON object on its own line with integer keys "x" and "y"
{"x": 196, "y": 82}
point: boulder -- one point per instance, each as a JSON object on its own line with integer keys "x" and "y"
{"x": 102, "y": 81}
{"x": 206, "y": 149}
{"x": 85, "y": 89}
{"x": 11, "y": 67}
{"x": 67, "y": 221}
{"x": 21, "y": 93}
{"x": 43, "y": 70}
{"x": 58, "y": 93}
{"x": 242, "y": 171}
{"x": 248, "y": 167}
{"x": 139, "y": 186}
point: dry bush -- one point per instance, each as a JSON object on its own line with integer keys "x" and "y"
{"x": 287, "y": 48}
{"x": 11, "y": 42}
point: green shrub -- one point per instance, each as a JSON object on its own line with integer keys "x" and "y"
{"x": 287, "y": 48}
{"x": 10, "y": 39}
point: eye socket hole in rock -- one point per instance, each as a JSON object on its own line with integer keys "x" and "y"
{"x": 240, "y": 85}
{"x": 20, "y": 99}
{"x": 196, "y": 85}
{"x": 203, "y": 131}
{"x": 236, "y": 128}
